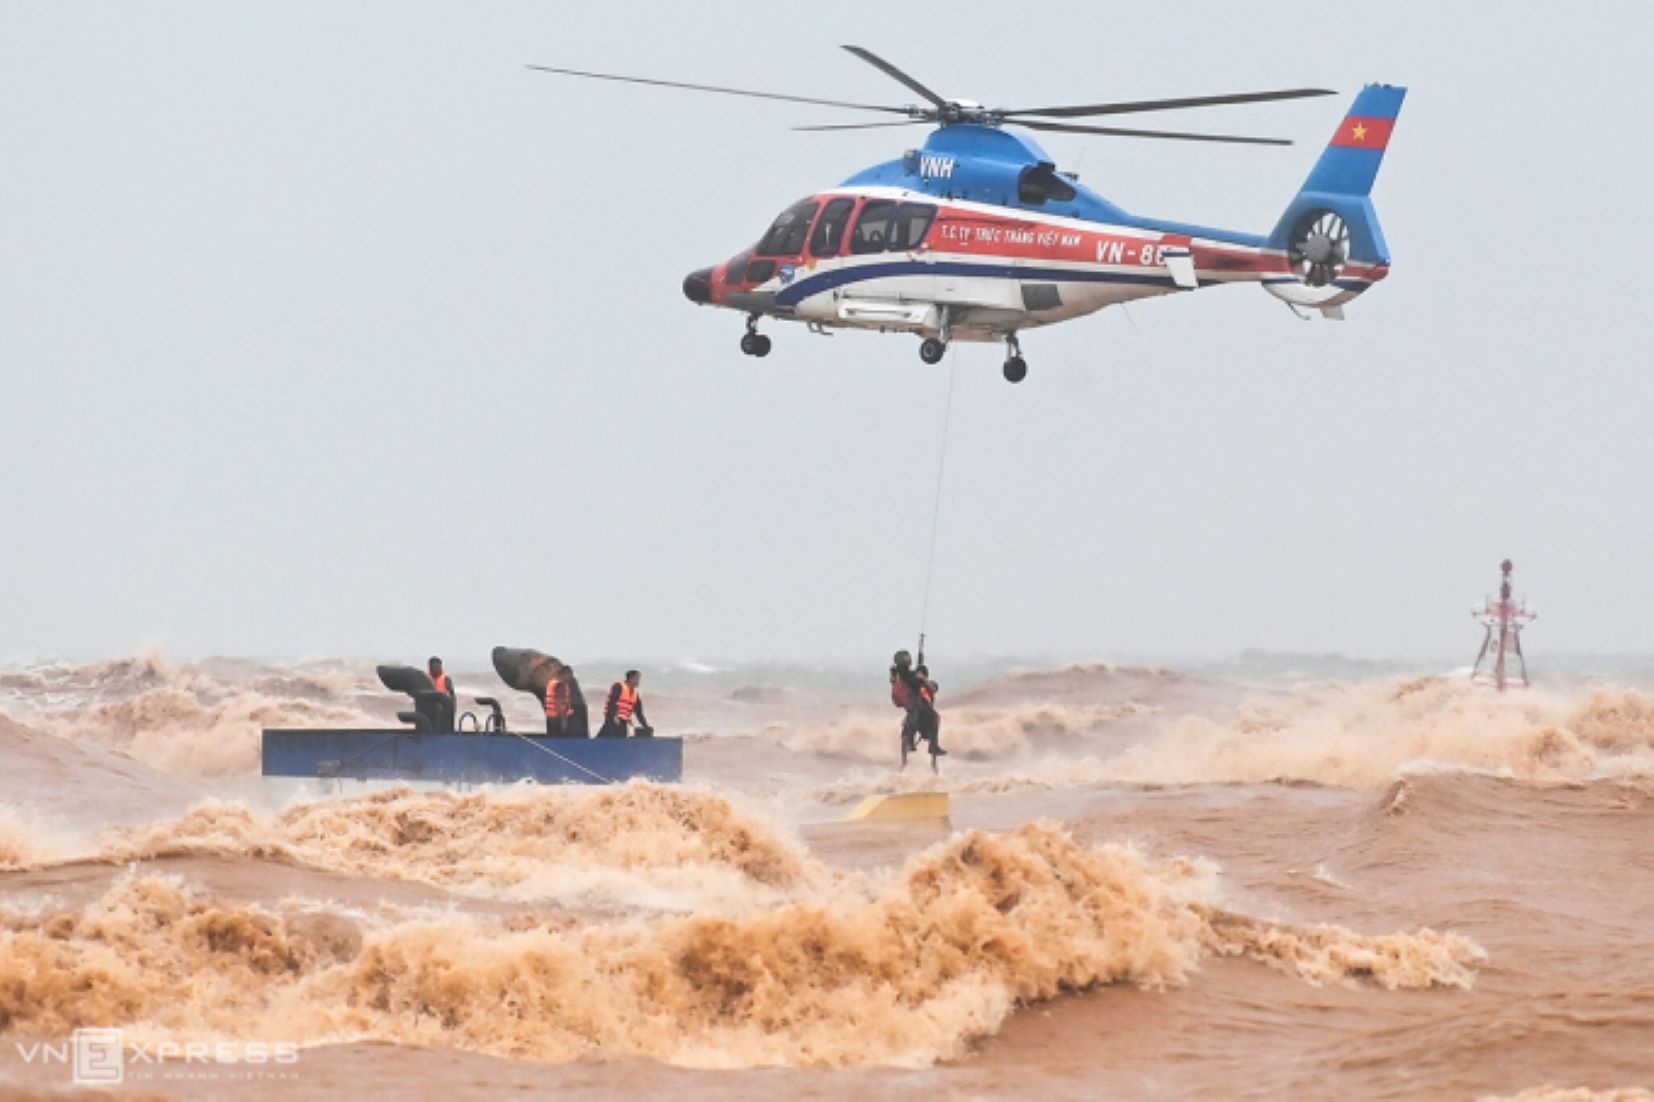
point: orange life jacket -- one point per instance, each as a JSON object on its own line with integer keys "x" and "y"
{"x": 625, "y": 702}
{"x": 557, "y": 700}
{"x": 928, "y": 693}
{"x": 442, "y": 683}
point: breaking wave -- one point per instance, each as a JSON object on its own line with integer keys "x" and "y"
{"x": 130, "y": 675}
{"x": 649, "y": 846}
{"x": 21, "y": 843}
{"x": 194, "y": 733}
{"x": 1073, "y": 727}
{"x": 184, "y": 720}
{"x": 1360, "y": 736}
{"x": 1363, "y": 736}
{"x": 973, "y": 733}
{"x": 905, "y": 970}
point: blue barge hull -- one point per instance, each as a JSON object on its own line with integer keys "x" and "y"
{"x": 470, "y": 758}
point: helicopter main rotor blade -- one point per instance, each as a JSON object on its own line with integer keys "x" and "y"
{"x": 890, "y": 70}
{"x": 1126, "y": 108}
{"x": 1123, "y": 132}
{"x": 866, "y": 125}
{"x": 722, "y": 91}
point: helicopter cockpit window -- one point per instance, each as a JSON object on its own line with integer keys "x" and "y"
{"x": 829, "y": 235}
{"x": 873, "y": 227}
{"x": 786, "y": 236}
{"x": 908, "y": 228}
{"x": 1041, "y": 184}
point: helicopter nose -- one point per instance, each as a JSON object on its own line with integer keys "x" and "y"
{"x": 697, "y": 286}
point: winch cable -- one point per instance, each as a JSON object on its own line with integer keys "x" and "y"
{"x": 514, "y": 734}
{"x": 936, "y": 510}
{"x": 342, "y": 762}
{"x": 561, "y": 758}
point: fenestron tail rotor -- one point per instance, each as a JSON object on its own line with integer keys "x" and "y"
{"x": 946, "y": 112}
{"x": 1320, "y": 248}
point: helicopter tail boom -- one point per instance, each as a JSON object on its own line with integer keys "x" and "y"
{"x": 1342, "y": 180}
{"x": 1329, "y": 233}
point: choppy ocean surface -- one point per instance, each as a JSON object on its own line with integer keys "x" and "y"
{"x": 1274, "y": 877}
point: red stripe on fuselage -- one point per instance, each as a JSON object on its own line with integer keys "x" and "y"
{"x": 971, "y": 233}
{"x": 974, "y": 233}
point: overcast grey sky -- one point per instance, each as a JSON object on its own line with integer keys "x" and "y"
{"x": 330, "y": 329}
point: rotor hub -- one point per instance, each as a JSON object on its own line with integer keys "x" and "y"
{"x": 956, "y": 113}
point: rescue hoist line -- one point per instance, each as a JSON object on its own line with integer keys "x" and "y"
{"x": 561, "y": 758}
{"x": 936, "y": 511}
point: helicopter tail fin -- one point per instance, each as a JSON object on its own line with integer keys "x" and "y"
{"x": 1342, "y": 180}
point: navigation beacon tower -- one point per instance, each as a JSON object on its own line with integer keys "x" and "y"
{"x": 1504, "y": 620}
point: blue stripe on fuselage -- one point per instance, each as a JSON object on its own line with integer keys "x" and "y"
{"x": 839, "y": 277}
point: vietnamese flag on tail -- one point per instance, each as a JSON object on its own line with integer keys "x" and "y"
{"x": 1350, "y": 161}
{"x": 1363, "y": 132}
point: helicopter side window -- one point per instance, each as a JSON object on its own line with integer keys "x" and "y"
{"x": 829, "y": 235}
{"x": 910, "y": 225}
{"x": 786, "y": 236}
{"x": 1041, "y": 183}
{"x": 873, "y": 227}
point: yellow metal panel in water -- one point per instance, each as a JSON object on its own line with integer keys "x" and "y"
{"x": 904, "y": 805}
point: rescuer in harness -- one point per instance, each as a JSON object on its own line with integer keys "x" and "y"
{"x": 624, "y": 703}
{"x": 912, "y": 690}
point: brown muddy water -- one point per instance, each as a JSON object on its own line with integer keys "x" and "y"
{"x": 1152, "y": 885}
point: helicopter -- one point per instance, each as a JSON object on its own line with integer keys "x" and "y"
{"x": 977, "y": 236}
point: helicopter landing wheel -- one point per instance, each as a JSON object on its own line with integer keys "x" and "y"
{"x": 1016, "y": 368}
{"x": 932, "y": 350}
{"x": 755, "y": 344}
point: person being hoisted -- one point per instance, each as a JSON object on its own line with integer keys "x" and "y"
{"x": 912, "y": 690}
{"x": 624, "y": 703}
